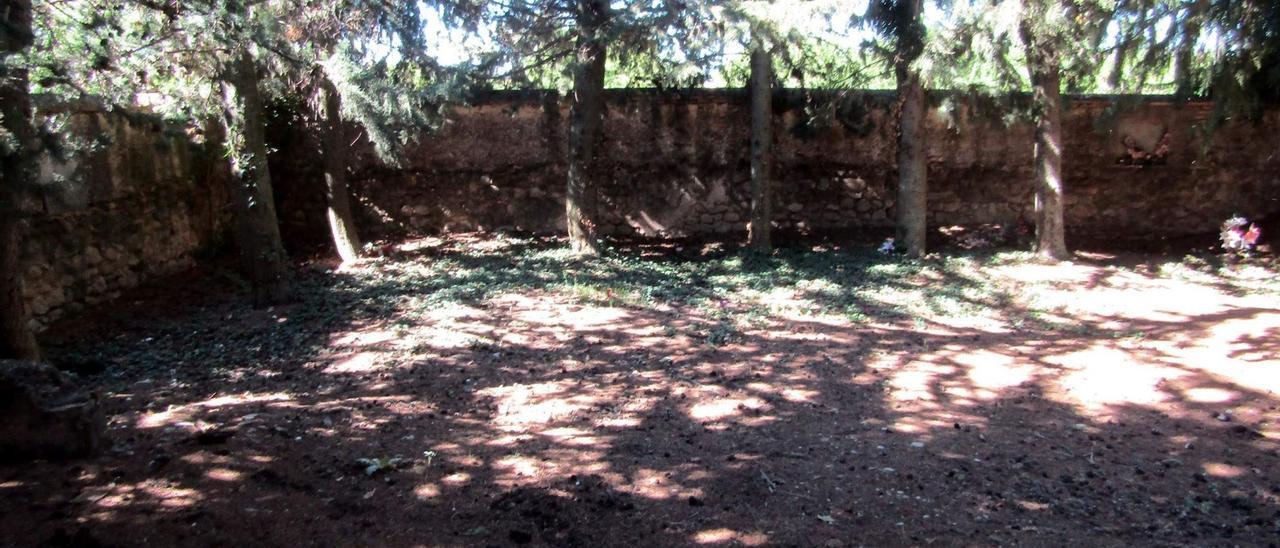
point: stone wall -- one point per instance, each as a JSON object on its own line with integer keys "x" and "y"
{"x": 147, "y": 199}
{"x": 139, "y": 199}
{"x": 676, "y": 165}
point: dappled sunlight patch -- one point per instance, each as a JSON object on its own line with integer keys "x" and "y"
{"x": 922, "y": 417}
{"x": 158, "y": 494}
{"x": 568, "y": 460}
{"x": 659, "y": 485}
{"x": 456, "y": 479}
{"x": 453, "y": 312}
{"x": 182, "y": 415}
{"x": 1033, "y": 506}
{"x": 1098, "y": 377}
{"x": 1109, "y": 295}
{"x": 1209, "y": 395}
{"x": 720, "y": 408}
{"x": 465, "y": 459}
{"x": 798, "y": 395}
{"x": 359, "y": 362}
{"x": 361, "y": 339}
{"x": 363, "y": 411}
{"x": 427, "y": 491}
{"x": 566, "y": 435}
{"x": 446, "y": 338}
{"x": 629, "y": 415}
{"x": 1235, "y": 334}
{"x": 1133, "y": 297}
{"x": 991, "y": 372}
{"x": 826, "y": 328}
{"x": 912, "y": 424}
{"x": 787, "y": 303}
{"x": 523, "y": 405}
{"x": 723, "y": 535}
{"x": 781, "y": 385}
{"x": 1255, "y": 277}
{"x": 507, "y": 440}
{"x": 1255, "y": 377}
{"x": 917, "y": 381}
{"x": 1223, "y": 470}
{"x": 545, "y": 310}
{"x": 521, "y": 466}
{"x": 1038, "y": 274}
{"x": 589, "y": 317}
{"x": 447, "y": 447}
{"x": 223, "y": 474}
{"x": 172, "y": 497}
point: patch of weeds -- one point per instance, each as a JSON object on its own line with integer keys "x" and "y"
{"x": 756, "y": 317}
{"x": 1073, "y": 329}
{"x": 478, "y": 344}
{"x": 372, "y": 466}
{"x": 1034, "y": 319}
{"x": 1133, "y": 335}
{"x": 604, "y": 295}
{"x": 1196, "y": 504}
{"x": 721, "y": 332}
{"x": 855, "y": 313}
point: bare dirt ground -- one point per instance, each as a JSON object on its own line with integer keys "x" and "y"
{"x": 497, "y": 392}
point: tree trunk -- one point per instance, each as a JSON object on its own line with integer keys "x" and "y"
{"x": 761, "y": 148}
{"x": 18, "y": 170}
{"x": 346, "y": 241}
{"x": 584, "y": 127}
{"x": 1050, "y": 228}
{"x": 913, "y": 183}
{"x": 258, "y": 229}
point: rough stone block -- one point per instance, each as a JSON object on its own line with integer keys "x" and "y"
{"x": 44, "y": 414}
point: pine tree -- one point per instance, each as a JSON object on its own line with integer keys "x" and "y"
{"x": 1226, "y": 50}
{"x": 585, "y": 118}
{"x": 347, "y": 80}
{"x": 1056, "y": 35}
{"x": 342, "y": 224}
{"x": 19, "y": 147}
{"x": 1046, "y": 85}
{"x": 221, "y": 59}
{"x": 262, "y": 249}
{"x": 534, "y": 35}
{"x": 901, "y": 22}
{"x": 772, "y": 38}
{"x": 761, "y": 91}
{"x": 1044, "y": 46}
{"x": 209, "y": 60}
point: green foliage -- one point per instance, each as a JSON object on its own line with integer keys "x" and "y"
{"x": 393, "y": 103}
{"x": 648, "y": 43}
{"x": 172, "y": 57}
{"x": 818, "y": 64}
{"x": 1243, "y": 39}
{"x": 994, "y": 41}
{"x": 169, "y": 56}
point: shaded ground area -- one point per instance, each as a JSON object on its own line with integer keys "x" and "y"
{"x": 498, "y": 392}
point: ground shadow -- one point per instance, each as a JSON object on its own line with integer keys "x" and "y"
{"x": 503, "y": 394}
